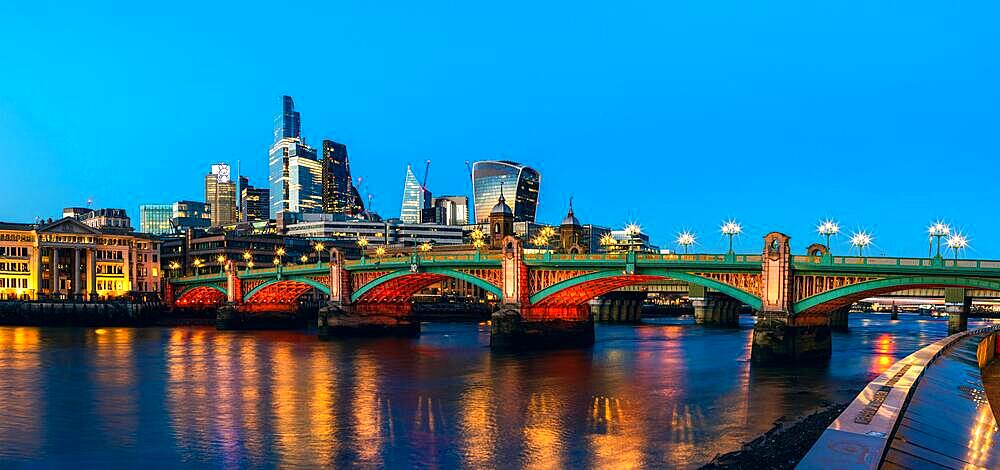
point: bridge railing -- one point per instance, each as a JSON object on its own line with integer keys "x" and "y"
{"x": 902, "y": 262}
{"x": 427, "y": 259}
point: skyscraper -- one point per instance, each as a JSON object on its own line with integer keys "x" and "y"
{"x": 415, "y": 199}
{"x": 254, "y": 202}
{"x": 287, "y": 124}
{"x": 220, "y": 194}
{"x": 338, "y": 193}
{"x": 155, "y": 218}
{"x": 295, "y": 174}
{"x": 520, "y": 184}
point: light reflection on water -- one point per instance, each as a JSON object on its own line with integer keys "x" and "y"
{"x": 665, "y": 392}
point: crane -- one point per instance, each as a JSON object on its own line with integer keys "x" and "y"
{"x": 427, "y": 169}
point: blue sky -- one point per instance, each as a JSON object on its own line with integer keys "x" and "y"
{"x": 676, "y": 115}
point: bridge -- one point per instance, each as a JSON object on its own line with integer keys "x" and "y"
{"x": 544, "y": 297}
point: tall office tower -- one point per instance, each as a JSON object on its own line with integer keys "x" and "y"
{"x": 254, "y": 205}
{"x": 155, "y": 218}
{"x": 295, "y": 175}
{"x": 220, "y": 194}
{"x": 416, "y": 198}
{"x": 338, "y": 190}
{"x": 520, "y": 184}
{"x": 456, "y": 209}
{"x": 287, "y": 125}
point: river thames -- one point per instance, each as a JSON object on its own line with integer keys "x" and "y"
{"x": 666, "y": 392}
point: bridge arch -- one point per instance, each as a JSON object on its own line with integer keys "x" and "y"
{"x": 582, "y": 288}
{"x": 405, "y": 283}
{"x": 200, "y": 295}
{"x": 821, "y": 304}
{"x": 286, "y": 289}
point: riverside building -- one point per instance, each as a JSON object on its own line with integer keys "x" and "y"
{"x": 70, "y": 259}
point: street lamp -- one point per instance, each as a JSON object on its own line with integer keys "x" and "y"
{"x": 362, "y": 243}
{"x": 425, "y": 247}
{"x": 938, "y": 230}
{"x": 248, "y": 257}
{"x": 608, "y": 242}
{"x": 319, "y": 252}
{"x": 957, "y": 242}
{"x": 685, "y": 239}
{"x": 380, "y": 252}
{"x": 828, "y": 228}
{"x": 304, "y": 259}
{"x": 861, "y": 239}
{"x": 221, "y": 259}
{"x": 197, "y": 265}
{"x": 731, "y": 228}
{"x": 174, "y": 266}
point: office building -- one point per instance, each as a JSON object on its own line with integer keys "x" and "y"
{"x": 68, "y": 258}
{"x": 155, "y": 218}
{"x": 190, "y": 215}
{"x": 456, "y": 209}
{"x": 254, "y": 202}
{"x": 519, "y": 184}
{"x": 416, "y": 198}
{"x": 339, "y": 195}
{"x": 220, "y": 195}
{"x": 295, "y": 175}
{"x": 287, "y": 125}
{"x": 391, "y": 232}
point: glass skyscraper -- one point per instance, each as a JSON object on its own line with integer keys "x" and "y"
{"x": 415, "y": 199}
{"x": 254, "y": 202}
{"x": 295, "y": 175}
{"x": 287, "y": 124}
{"x": 520, "y": 185}
{"x": 155, "y": 218}
{"x": 338, "y": 194}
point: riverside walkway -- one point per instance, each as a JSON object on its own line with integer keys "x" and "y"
{"x": 928, "y": 410}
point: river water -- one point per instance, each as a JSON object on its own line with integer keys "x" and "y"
{"x": 665, "y": 393}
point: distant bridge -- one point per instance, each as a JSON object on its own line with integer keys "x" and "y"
{"x": 545, "y": 295}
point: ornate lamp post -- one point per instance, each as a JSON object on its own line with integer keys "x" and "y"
{"x": 198, "y": 263}
{"x": 380, "y": 252}
{"x": 938, "y": 230}
{"x": 861, "y": 240}
{"x": 957, "y": 242}
{"x": 828, "y": 228}
{"x": 731, "y": 228}
{"x": 362, "y": 243}
{"x": 478, "y": 241}
{"x": 425, "y": 247}
{"x": 174, "y": 266}
{"x": 221, "y": 259}
{"x": 319, "y": 252}
{"x": 304, "y": 259}
{"x": 248, "y": 257}
{"x": 686, "y": 239}
{"x": 608, "y": 242}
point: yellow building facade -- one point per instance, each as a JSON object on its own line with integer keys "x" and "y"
{"x": 67, "y": 259}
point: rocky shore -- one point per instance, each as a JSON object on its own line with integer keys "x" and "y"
{"x": 783, "y": 445}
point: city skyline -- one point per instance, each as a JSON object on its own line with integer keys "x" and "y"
{"x": 877, "y": 154}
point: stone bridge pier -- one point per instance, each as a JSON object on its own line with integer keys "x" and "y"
{"x": 779, "y": 335}
{"x": 344, "y": 317}
{"x": 619, "y": 307}
{"x": 713, "y": 309}
{"x": 838, "y": 318}
{"x": 957, "y": 305}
